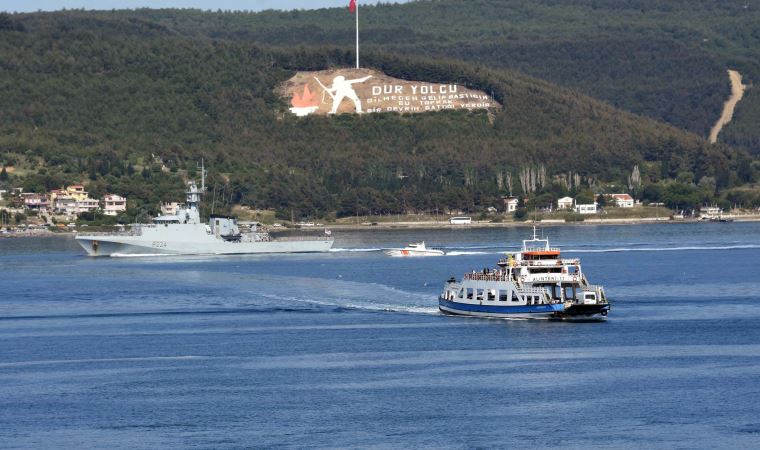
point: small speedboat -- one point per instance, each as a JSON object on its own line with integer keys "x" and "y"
{"x": 418, "y": 249}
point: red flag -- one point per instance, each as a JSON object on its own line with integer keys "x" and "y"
{"x": 352, "y": 6}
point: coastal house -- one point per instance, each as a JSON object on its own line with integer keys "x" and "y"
{"x": 711, "y": 209}
{"x": 510, "y": 204}
{"x": 35, "y": 201}
{"x": 565, "y": 203}
{"x": 87, "y": 205}
{"x": 54, "y": 194}
{"x": 64, "y": 204}
{"x": 169, "y": 209}
{"x": 114, "y": 204}
{"x": 590, "y": 208}
{"x": 77, "y": 191}
{"x": 622, "y": 200}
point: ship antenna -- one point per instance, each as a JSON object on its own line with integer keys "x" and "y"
{"x": 203, "y": 176}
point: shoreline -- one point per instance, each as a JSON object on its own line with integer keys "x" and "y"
{"x": 433, "y": 225}
{"x": 527, "y": 223}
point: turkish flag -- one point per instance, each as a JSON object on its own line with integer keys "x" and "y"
{"x": 352, "y": 6}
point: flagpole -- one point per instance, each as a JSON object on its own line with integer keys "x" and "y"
{"x": 357, "y": 34}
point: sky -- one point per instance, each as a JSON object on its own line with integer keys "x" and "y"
{"x": 251, "y": 5}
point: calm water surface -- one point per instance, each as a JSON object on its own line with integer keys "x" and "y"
{"x": 347, "y": 349}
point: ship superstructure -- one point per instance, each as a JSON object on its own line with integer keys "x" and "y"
{"x": 534, "y": 282}
{"x": 184, "y": 233}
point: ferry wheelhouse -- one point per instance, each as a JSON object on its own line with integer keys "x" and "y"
{"x": 534, "y": 282}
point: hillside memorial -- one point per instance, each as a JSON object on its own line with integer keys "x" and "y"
{"x": 364, "y": 91}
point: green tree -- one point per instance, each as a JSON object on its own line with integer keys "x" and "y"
{"x": 681, "y": 196}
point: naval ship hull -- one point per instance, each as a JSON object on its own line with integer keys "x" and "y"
{"x": 132, "y": 246}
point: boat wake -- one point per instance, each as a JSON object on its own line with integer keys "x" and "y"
{"x": 138, "y": 255}
{"x": 463, "y": 253}
{"x": 354, "y": 295}
{"x": 666, "y": 249}
{"x": 355, "y": 250}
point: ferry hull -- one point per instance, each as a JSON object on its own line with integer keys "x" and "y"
{"x": 522, "y": 312}
{"x": 582, "y": 313}
{"x": 111, "y": 246}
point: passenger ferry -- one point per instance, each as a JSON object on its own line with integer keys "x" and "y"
{"x": 532, "y": 283}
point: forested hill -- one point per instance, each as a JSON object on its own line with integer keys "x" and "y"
{"x": 111, "y": 98}
{"x": 666, "y": 59}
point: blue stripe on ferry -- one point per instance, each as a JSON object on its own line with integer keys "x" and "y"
{"x": 517, "y": 309}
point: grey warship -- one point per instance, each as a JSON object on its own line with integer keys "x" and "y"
{"x": 185, "y": 234}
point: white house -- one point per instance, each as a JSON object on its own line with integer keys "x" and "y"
{"x": 169, "y": 209}
{"x": 622, "y": 200}
{"x": 586, "y": 209}
{"x": 65, "y": 205}
{"x": 565, "y": 203}
{"x": 87, "y": 204}
{"x": 510, "y": 204}
{"x": 114, "y": 204}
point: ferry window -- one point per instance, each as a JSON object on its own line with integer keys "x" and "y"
{"x": 461, "y": 293}
{"x": 480, "y": 294}
{"x": 491, "y": 294}
{"x": 515, "y": 298}
{"x": 590, "y": 296}
{"x": 503, "y": 296}
{"x": 469, "y": 293}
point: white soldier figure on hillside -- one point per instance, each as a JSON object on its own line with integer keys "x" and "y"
{"x": 340, "y": 89}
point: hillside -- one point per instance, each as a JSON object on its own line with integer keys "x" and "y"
{"x": 110, "y": 99}
{"x": 662, "y": 59}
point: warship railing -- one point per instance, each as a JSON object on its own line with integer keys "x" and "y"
{"x": 302, "y": 238}
{"x": 132, "y": 232}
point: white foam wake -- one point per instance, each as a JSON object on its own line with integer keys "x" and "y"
{"x": 461, "y": 253}
{"x": 138, "y": 255}
{"x": 665, "y": 249}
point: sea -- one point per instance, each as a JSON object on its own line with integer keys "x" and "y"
{"x": 347, "y": 349}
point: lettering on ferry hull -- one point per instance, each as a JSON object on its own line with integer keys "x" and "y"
{"x": 361, "y": 91}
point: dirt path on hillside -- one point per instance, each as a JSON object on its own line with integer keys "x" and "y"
{"x": 737, "y": 92}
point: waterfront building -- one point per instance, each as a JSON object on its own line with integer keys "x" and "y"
{"x": 65, "y": 204}
{"x": 565, "y": 203}
{"x": 590, "y": 208}
{"x": 622, "y": 200}
{"x": 114, "y": 204}
{"x": 37, "y": 202}
{"x": 169, "y": 209}
{"x": 510, "y": 204}
{"x": 77, "y": 191}
{"x": 86, "y": 205}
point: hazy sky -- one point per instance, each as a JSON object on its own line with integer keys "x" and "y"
{"x": 252, "y": 5}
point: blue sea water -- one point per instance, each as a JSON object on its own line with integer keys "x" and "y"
{"x": 347, "y": 349}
